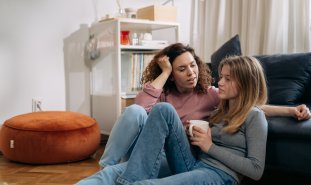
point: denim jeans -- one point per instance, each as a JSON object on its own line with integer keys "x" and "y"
{"x": 107, "y": 176}
{"x": 163, "y": 128}
{"x": 118, "y": 148}
{"x": 123, "y": 135}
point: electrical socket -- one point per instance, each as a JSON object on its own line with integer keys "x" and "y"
{"x": 36, "y": 104}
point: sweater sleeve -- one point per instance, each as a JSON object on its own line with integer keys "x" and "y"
{"x": 252, "y": 165}
{"x": 148, "y": 97}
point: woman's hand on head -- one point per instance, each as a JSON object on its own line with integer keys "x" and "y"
{"x": 201, "y": 138}
{"x": 166, "y": 68}
{"x": 165, "y": 64}
{"x": 302, "y": 112}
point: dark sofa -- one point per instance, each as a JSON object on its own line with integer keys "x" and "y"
{"x": 289, "y": 83}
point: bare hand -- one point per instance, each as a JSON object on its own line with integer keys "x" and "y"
{"x": 186, "y": 126}
{"x": 201, "y": 138}
{"x": 302, "y": 112}
{"x": 165, "y": 64}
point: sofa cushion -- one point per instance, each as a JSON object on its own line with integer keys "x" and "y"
{"x": 306, "y": 97}
{"x": 288, "y": 76}
{"x": 230, "y": 48}
{"x": 288, "y": 145}
{"x": 289, "y": 128}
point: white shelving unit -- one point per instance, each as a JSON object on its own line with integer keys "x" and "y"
{"x": 110, "y": 71}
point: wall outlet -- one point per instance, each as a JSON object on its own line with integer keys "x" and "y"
{"x": 36, "y": 104}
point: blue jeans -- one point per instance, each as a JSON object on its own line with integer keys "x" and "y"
{"x": 163, "y": 128}
{"x": 118, "y": 148}
{"x": 123, "y": 138}
{"x": 107, "y": 176}
{"x": 123, "y": 135}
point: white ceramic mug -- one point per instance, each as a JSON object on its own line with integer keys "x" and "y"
{"x": 198, "y": 123}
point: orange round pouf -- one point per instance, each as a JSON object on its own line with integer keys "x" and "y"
{"x": 49, "y": 137}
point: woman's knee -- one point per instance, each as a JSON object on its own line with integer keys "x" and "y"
{"x": 135, "y": 109}
{"x": 164, "y": 108}
{"x": 135, "y": 114}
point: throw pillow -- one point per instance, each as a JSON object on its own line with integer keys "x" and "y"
{"x": 287, "y": 77}
{"x": 230, "y": 48}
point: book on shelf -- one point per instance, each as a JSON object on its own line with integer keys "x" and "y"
{"x": 138, "y": 63}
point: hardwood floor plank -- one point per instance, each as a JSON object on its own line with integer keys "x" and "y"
{"x": 12, "y": 173}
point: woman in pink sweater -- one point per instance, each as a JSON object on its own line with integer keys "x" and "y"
{"x": 178, "y": 76}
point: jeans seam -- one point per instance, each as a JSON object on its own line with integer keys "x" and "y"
{"x": 122, "y": 181}
{"x": 157, "y": 163}
{"x": 180, "y": 148}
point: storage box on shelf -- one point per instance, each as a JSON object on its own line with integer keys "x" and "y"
{"x": 157, "y": 13}
{"x": 116, "y": 73}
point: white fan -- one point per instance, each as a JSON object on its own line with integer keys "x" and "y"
{"x": 91, "y": 50}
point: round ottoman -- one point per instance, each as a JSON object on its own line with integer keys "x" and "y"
{"x": 49, "y": 137}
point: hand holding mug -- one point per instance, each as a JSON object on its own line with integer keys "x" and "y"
{"x": 202, "y": 140}
{"x": 198, "y": 123}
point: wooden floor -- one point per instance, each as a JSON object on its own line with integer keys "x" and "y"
{"x": 12, "y": 173}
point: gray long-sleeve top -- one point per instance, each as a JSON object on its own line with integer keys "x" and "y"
{"x": 243, "y": 152}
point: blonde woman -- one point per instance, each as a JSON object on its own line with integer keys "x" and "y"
{"x": 233, "y": 147}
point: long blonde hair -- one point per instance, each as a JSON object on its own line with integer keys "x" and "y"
{"x": 252, "y": 91}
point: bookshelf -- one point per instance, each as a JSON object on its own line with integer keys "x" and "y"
{"x": 115, "y": 75}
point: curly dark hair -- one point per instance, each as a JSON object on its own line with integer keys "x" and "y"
{"x": 153, "y": 70}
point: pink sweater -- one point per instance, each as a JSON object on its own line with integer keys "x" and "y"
{"x": 188, "y": 106}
